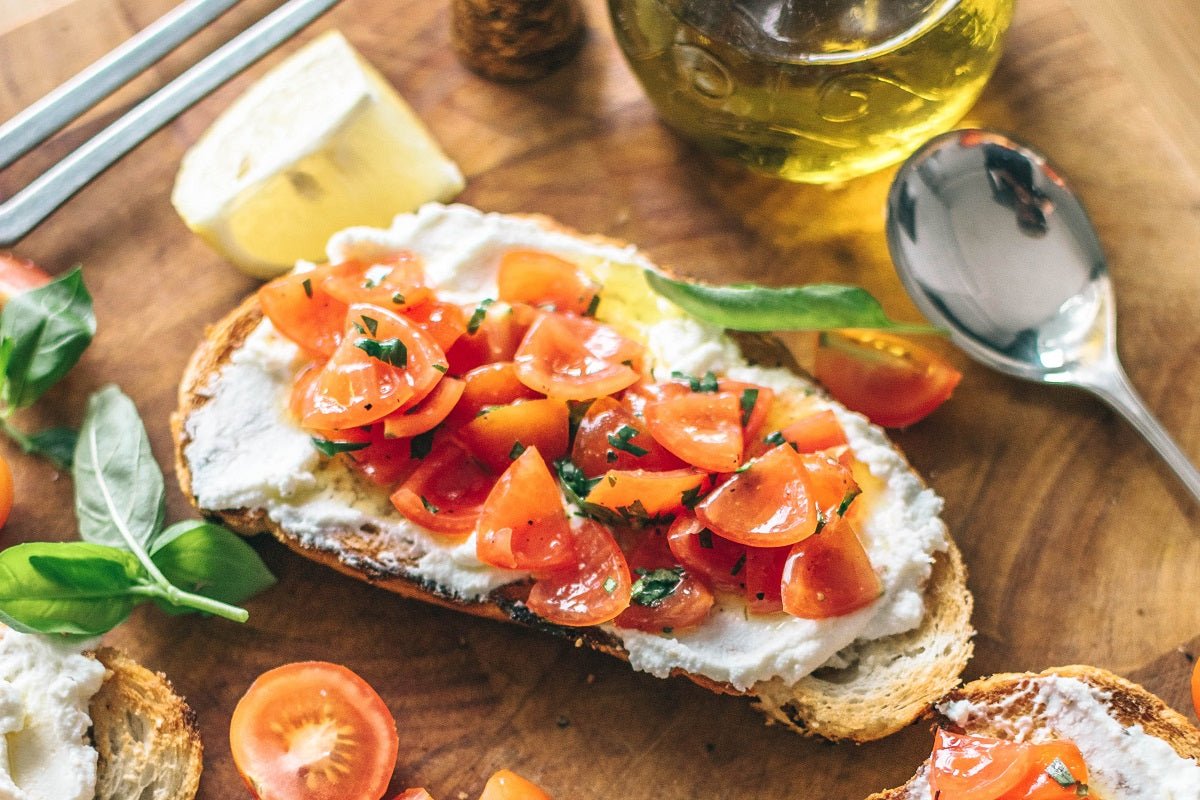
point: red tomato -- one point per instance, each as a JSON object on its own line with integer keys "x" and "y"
{"x": 384, "y": 461}
{"x": 446, "y": 492}
{"x": 759, "y": 399}
{"x": 769, "y": 504}
{"x": 427, "y": 414}
{"x": 819, "y": 431}
{"x": 489, "y": 385}
{"x": 523, "y": 524}
{"x": 413, "y": 794}
{"x": 395, "y": 283}
{"x": 1040, "y": 784}
{"x": 704, "y": 429}
{"x": 1196, "y": 687}
{"x": 19, "y": 275}
{"x": 576, "y": 358}
{"x": 830, "y": 481}
{"x": 658, "y": 492}
{"x": 313, "y": 731}
{"x": 495, "y": 338}
{"x": 303, "y": 312}
{"x": 506, "y": 785}
{"x": 445, "y": 322}
{"x": 967, "y": 767}
{"x": 539, "y": 279}
{"x": 699, "y": 550}
{"x": 891, "y": 380}
{"x": 595, "y": 452}
{"x": 357, "y": 387}
{"x": 829, "y": 574}
{"x": 493, "y": 435}
{"x": 686, "y": 607}
{"x": 764, "y": 578}
{"x": 6, "y": 492}
{"x": 592, "y": 590}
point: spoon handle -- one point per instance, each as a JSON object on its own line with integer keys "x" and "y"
{"x": 1114, "y": 388}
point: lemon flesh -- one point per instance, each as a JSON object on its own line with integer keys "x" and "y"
{"x": 318, "y": 144}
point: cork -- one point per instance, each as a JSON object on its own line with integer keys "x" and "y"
{"x": 516, "y": 40}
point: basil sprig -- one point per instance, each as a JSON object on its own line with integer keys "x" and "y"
{"x": 43, "y": 332}
{"x": 760, "y": 309}
{"x": 127, "y": 557}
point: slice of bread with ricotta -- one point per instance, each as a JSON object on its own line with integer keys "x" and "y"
{"x": 1135, "y": 746}
{"x": 860, "y": 676}
{"x": 84, "y": 725}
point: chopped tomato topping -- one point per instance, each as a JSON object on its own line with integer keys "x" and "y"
{"x": 494, "y": 332}
{"x": 893, "y": 381}
{"x": 428, "y": 413}
{"x": 493, "y": 436}
{"x": 970, "y": 767}
{"x": 769, "y": 504}
{"x": 576, "y": 358}
{"x": 704, "y": 429}
{"x": 657, "y": 492}
{"x": 764, "y": 578}
{"x": 687, "y": 605}
{"x": 819, "y": 431}
{"x": 591, "y": 591}
{"x": 382, "y": 460}
{"x": 396, "y": 282}
{"x": 445, "y": 322}
{"x": 698, "y": 549}
{"x": 829, "y": 574}
{"x": 540, "y": 279}
{"x": 507, "y": 785}
{"x": 446, "y": 492}
{"x": 610, "y": 437}
{"x": 523, "y": 524}
{"x": 831, "y": 482}
{"x": 302, "y": 311}
{"x": 489, "y": 385}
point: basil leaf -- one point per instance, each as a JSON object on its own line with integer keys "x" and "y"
{"x": 73, "y": 588}
{"x": 210, "y": 560}
{"x": 651, "y": 588}
{"x": 751, "y": 308}
{"x": 119, "y": 496}
{"x": 49, "y": 328}
{"x": 56, "y": 444}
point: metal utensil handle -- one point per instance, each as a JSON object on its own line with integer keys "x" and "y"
{"x": 51, "y": 114}
{"x": 1114, "y": 388}
{"x": 25, "y": 210}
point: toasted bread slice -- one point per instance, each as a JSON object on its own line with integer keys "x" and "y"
{"x": 887, "y": 683}
{"x": 145, "y": 733}
{"x": 1012, "y": 705}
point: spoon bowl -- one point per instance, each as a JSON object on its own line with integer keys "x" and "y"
{"x": 992, "y": 244}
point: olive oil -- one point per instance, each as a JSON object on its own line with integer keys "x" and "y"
{"x": 812, "y": 90}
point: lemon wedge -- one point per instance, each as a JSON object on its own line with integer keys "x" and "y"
{"x": 319, "y": 143}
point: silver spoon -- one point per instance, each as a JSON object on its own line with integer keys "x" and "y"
{"x": 992, "y": 244}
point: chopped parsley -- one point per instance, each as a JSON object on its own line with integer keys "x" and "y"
{"x": 741, "y": 562}
{"x": 775, "y": 438}
{"x": 371, "y": 323}
{"x": 651, "y": 588}
{"x": 573, "y": 479}
{"x": 575, "y": 411}
{"x": 621, "y": 441}
{"x": 397, "y": 298}
{"x": 420, "y": 445}
{"x": 690, "y": 497}
{"x": 1061, "y": 774}
{"x": 516, "y": 451}
{"x": 593, "y": 304}
{"x": 389, "y": 351}
{"x": 442, "y": 368}
{"x": 610, "y": 584}
{"x": 708, "y": 383}
{"x": 705, "y": 537}
{"x": 307, "y": 284}
{"x": 748, "y": 401}
{"x": 430, "y": 507}
{"x": 847, "y": 500}
{"x": 333, "y": 448}
{"x": 478, "y": 317}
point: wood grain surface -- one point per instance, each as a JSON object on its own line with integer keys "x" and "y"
{"x": 1082, "y": 548}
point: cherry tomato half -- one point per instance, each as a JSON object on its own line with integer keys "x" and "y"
{"x": 976, "y": 767}
{"x": 446, "y": 492}
{"x": 508, "y": 785}
{"x": 768, "y": 504}
{"x": 576, "y": 358}
{"x": 828, "y": 574}
{"x": 523, "y": 524}
{"x": 592, "y": 590}
{"x": 536, "y": 278}
{"x": 703, "y": 429}
{"x": 610, "y": 437}
{"x": 302, "y": 312}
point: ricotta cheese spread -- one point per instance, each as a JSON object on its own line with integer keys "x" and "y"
{"x": 45, "y": 689}
{"x": 322, "y": 503}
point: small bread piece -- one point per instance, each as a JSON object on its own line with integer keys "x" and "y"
{"x": 1128, "y": 703}
{"x": 146, "y": 734}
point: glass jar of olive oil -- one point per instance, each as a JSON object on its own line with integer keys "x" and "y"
{"x": 812, "y": 90}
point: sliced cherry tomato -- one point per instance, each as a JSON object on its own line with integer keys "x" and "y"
{"x": 819, "y": 431}
{"x": 832, "y": 482}
{"x": 1196, "y": 687}
{"x": 313, "y": 731}
{"x": 539, "y": 279}
{"x": 427, "y": 414}
{"x": 394, "y": 283}
{"x": 891, "y": 380}
{"x": 658, "y": 492}
{"x": 445, "y": 322}
{"x": 305, "y": 314}
{"x": 1040, "y": 784}
{"x": 493, "y": 436}
{"x": 523, "y": 524}
{"x": 446, "y": 493}
{"x": 507, "y": 785}
{"x": 754, "y": 401}
{"x": 592, "y": 590}
{"x": 699, "y": 550}
{"x": 764, "y": 578}
{"x": 489, "y": 385}
{"x": 495, "y": 337}
{"x": 829, "y": 574}
{"x": 601, "y": 443}
{"x": 413, "y": 794}
{"x": 686, "y": 606}
{"x": 382, "y": 460}
{"x": 19, "y": 275}
{"x": 966, "y": 767}
{"x": 769, "y": 504}
{"x": 6, "y": 492}
{"x": 704, "y": 429}
{"x": 383, "y": 362}
{"x": 576, "y": 358}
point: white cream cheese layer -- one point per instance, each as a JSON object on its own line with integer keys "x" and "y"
{"x": 1124, "y": 763}
{"x": 321, "y": 502}
{"x": 45, "y": 689}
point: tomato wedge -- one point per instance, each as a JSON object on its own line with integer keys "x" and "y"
{"x": 699, "y": 550}
{"x": 686, "y": 606}
{"x": 657, "y": 492}
{"x": 523, "y": 524}
{"x": 446, "y": 493}
{"x": 427, "y": 414}
{"x": 539, "y": 279}
{"x": 602, "y": 443}
{"x": 832, "y": 482}
{"x": 313, "y": 731}
{"x": 764, "y": 578}
{"x": 445, "y": 322}
{"x": 769, "y": 504}
{"x": 576, "y": 358}
{"x": 819, "y": 431}
{"x": 489, "y": 385}
{"x": 494, "y": 332}
{"x": 304, "y": 313}
{"x": 891, "y": 380}
{"x": 829, "y": 574}
{"x": 592, "y": 590}
{"x": 383, "y": 362}
{"x": 508, "y": 785}
{"x": 1039, "y": 784}
{"x": 703, "y": 429}
{"x": 498, "y": 435}
{"x": 19, "y": 275}
{"x": 969, "y": 767}
{"x": 396, "y": 282}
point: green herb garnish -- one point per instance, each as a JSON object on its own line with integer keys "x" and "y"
{"x": 371, "y": 323}
{"x": 307, "y": 284}
{"x": 775, "y": 438}
{"x": 430, "y": 507}
{"x": 844, "y": 506}
{"x": 610, "y": 584}
{"x": 593, "y": 304}
{"x": 705, "y": 538}
{"x": 690, "y": 497}
{"x": 478, "y": 316}
{"x": 737, "y": 567}
{"x": 573, "y": 479}
{"x": 516, "y": 451}
{"x": 331, "y": 448}
{"x": 621, "y": 440}
{"x": 397, "y": 298}
{"x": 389, "y": 351}
{"x": 748, "y": 400}
{"x": 420, "y": 445}
{"x": 442, "y": 368}
{"x": 651, "y": 588}
{"x": 1061, "y": 773}
{"x": 706, "y": 383}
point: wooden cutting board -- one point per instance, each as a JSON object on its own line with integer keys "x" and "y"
{"x": 1082, "y": 547}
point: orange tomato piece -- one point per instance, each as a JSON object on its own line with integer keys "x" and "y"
{"x": 658, "y": 492}
{"x": 445, "y": 322}
{"x": 508, "y": 785}
{"x": 304, "y": 313}
{"x": 754, "y": 401}
{"x": 703, "y": 429}
{"x": 819, "y": 431}
{"x": 395, "y": 282}
{"x": 768, "y": 504}
{"x": 764, "y": 578}
{"x": 539, "y": 279}
{"x": 489, "y": 385}
{"x": 495, "y": 337}
{"x": 1039, "y": 784}
{"x": 968, "y": 767}
{"x": 427, "y": 414}
{"x": 720, "y": 561}
{"x": 600, "y": 431}
{"x": 831, "y": 481}
{"x": 829, "y": 574}
{"x": 523, "y": 524}
{"x": 446, "y": 492}
{"x": 592, "y": 590}
{"x": 576, "y": 358}
{"x": 493, "y": 436}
